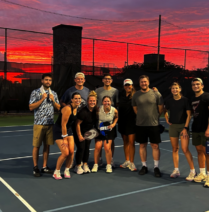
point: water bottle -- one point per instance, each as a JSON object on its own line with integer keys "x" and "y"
{"x": 207, "y": 146}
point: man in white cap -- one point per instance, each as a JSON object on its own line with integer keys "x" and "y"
{"x": 200, "y": 128}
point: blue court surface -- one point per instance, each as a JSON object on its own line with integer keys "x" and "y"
{"x": 122, "y": 190}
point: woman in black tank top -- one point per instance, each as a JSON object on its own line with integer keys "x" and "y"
{"x": 63, "y": 135}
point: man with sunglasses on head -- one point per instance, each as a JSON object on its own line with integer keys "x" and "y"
{"x": 200, "y": 128}
{"x": 107, "y": 90}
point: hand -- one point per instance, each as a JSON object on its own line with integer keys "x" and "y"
{"x": 184, "y": 133}
{"x": 207, "y": 133}
{"x": 155, "y": 89}
{"x": 111, "y": 126}
{"x": 81, "y": 138}
{"x": 64, "y": 143}
{"x": 44, "y": 96}
{"x": 168, "y": 122}
{"x": 51, "y": 97}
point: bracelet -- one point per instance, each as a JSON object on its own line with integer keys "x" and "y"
{"x": 187, "y": 128}
{"x": 64, "y": 135}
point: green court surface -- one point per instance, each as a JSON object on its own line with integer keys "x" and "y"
{"x": 18, "y": 120}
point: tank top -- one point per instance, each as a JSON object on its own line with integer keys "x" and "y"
{"x": 106, "y": 117}
{"x": 71, "y": 119}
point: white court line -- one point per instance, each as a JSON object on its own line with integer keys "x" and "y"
{"x": 17, "y": 195}
{"x": 16, "y": 131}
{"x": 113, "y": 197}
{"x": 17, "y": 126}
{"x": 55, "y": 153}
{"x": 7, "y": 136}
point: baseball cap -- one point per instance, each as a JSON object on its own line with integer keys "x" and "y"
{"x": 128, "y": 81}
{"x": 79, "y": 73}
{"x": 197, "y": 79}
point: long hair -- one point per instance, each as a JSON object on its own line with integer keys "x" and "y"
{"x": 133, "y": 91}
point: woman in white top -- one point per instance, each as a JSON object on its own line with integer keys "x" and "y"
{"x": 108, "y": 116}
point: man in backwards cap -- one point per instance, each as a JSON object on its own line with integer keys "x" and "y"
{"x": 200, "y": 128}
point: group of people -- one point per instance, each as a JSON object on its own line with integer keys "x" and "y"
{"x": 137, "y": 114}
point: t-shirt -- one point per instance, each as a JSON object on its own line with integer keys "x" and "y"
{"x": 147, "y": 107}
{"x": 89, "y": 119}
{"x": 200, "y": 112}
{"x": 44, "y": 114}
{"x": 66, "y": 98}
{"x": 112, "y": 93}
{"x": 178, "y": 109}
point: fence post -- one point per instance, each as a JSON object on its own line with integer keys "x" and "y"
{"x": 208, "y": 61}
{"x": 158, "y": 49}
{"x": 93, "y": 57}
{"x": 127, "y": 55}
{"x": 5, "y": 56}
{"x": 185, "y": 55}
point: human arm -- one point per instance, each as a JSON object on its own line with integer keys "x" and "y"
{"x": 166, "y": 116}
{"x": 55, "y": 101}
{"x": 207, "y": 130}
{"x": 115, "y": 120}
{"x": 33, "y": 105}
{"x": 78, "y": 130}
{"x": 160, "y": 109}
{"x": 66, "y": 112}
{"x": 135, "y": 109}
{"x": 184, "y": 132}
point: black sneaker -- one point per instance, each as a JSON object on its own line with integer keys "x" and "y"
{"x": 36, "y": 172}
{"x": 47, "y": 170}
{"x": 157, "y": 172}
{"x": 143, "y": 170}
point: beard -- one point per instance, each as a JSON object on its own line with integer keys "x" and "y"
{"x": 46, "y": 86}
{"x": 144, "y": 89}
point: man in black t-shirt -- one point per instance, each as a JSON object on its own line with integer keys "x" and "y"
{"x": 200, "y": 128}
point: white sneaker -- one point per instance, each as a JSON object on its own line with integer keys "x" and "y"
{"x": 132, "y": 167}
{"x": 175, "y": 174}
{"x": 112, "y": 163}
{"x": 125, "y": 164}
{"x": 108, "y": 168}
{"x": 78, "y": 170}
{"x": 86, "y": 168}
{"x": 95, "y": 168}
{"x": 67, "y": 173}
{"x": 100, "y": 163}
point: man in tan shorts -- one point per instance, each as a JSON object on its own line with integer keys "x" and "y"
{"x": 43, "y": 101}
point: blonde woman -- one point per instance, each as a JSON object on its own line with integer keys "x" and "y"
{"x": 86, "y": 120}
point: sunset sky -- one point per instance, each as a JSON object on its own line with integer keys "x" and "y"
{"x": 190, "y": 17}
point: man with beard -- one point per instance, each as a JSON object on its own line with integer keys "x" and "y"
{"x": 43, "y": 101}
{"x": 200, "y": 128}
{"x": 148, "y": 106}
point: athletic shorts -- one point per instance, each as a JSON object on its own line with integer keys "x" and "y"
{"x": 57, "y": 132}
{"x": 198, "y": 138}
{"x": 175, "y": 130}
{"x": 145, "y": 132}
{"x": 42, "y": 133}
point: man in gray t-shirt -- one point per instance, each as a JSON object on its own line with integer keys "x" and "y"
{"x": 148, "y": 106}
{"x": 107, "y": 90}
